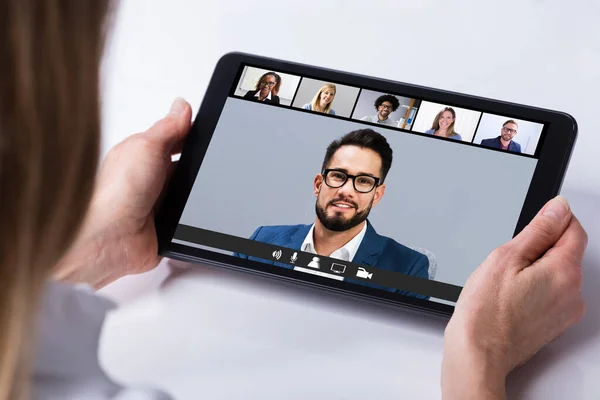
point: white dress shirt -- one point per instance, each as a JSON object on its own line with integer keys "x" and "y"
{"x": 345, "y": 253}
{"x": 375, "y": 119}
{"x": 257, "y": 95}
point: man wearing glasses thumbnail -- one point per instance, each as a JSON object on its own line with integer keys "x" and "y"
{"x": 350, "y": 185}
{"x": 385, "y": 105}
{"x": 504, "y": 141}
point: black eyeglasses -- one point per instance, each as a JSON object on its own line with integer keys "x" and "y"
{"x": 335, "y": 178}
{"x": 267, "y": 83}
{"x": 508, "y": 130}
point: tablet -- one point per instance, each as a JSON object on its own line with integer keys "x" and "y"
{"x": 363, "y": 186}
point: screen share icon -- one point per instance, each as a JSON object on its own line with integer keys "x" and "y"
{"x": 338, "y": 268}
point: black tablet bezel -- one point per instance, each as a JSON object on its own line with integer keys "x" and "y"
{"x": 554, "y": 151}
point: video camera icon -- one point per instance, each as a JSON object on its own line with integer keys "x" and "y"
{"x": 363, "y": 273}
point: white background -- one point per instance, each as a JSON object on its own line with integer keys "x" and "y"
{"x": 528, "y": 133}
{"x": 214, "y": 334}
{"x": 464, "y": 124}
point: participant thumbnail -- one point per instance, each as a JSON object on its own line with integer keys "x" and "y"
{"x": 326, "y": 97}
{"x": 509, "y": 134}
{"x": 267, "y": 86}
{"x": 444, "y": 121}
{"x": 385, "y": 109}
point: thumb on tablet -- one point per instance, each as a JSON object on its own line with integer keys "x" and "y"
{"x": 542, "y": 232}
{"x": 170, "y": 131}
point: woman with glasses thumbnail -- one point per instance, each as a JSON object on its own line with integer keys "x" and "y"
{"x": 266, "y": 89}
{"x": 323, "y": 100}
{"x": 443, "y": 124}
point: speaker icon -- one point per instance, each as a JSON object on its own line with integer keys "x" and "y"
{"x": 277, "y": 254}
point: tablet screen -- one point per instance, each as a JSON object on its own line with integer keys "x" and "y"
{"x": 369, "y": 188}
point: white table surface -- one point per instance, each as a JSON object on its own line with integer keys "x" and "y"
{"x": 210, "y": 333}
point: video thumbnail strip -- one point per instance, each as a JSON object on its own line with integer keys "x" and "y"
{"x": 389, "y": 110}
{"x": 302, "y": 261}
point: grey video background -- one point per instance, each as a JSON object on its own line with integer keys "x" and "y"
{"x": 440, "y": 195}
{"x": 528, "y": 133}
{"x": 343, "y": 103}
{"x": 366, "y": 105}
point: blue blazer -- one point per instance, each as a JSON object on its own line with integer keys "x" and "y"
{"x": 495, "y": 143}
{"x": 375, "y": 250}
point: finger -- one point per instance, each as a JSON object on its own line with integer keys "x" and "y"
{"x": 572, "y": 243}
{"x": 542, "y": 232}
{"x": 161, "y": 197}
{"x": 170, "y": 131}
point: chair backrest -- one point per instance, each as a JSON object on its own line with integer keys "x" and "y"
{"x": 432, "y": 260}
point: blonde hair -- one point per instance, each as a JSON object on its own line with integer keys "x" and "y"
{"x": 49, "y": 148}
{"x": 316, "y": 102}
{"x": 436, "y": 122}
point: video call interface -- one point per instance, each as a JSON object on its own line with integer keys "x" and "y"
{"x": 365, "y": 187}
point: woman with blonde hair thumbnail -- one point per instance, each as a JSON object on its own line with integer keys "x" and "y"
{"x": 323, "y": 100}
{"x": 443, "y": 124}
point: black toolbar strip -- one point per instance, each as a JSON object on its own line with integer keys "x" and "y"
{"x": 324, "y": 266}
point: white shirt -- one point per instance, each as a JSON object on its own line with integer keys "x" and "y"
{"x": 266, "y": 98}
{"x": 66, "y": 365}
{"x": 375, "y": 119}
{"x": 345, "y": 253}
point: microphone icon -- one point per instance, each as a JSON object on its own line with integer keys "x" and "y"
{"x": 294, "y": 257}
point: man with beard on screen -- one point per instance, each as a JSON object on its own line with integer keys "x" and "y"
{"x": 350, "y": 184}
